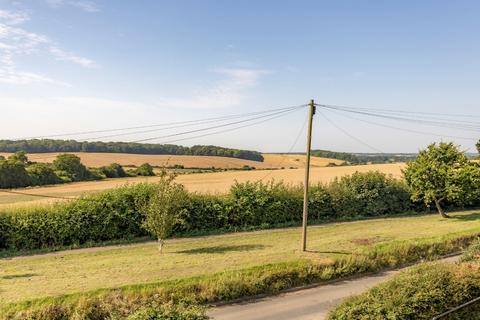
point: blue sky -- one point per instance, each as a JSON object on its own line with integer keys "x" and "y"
{"x": 75, "y": 65}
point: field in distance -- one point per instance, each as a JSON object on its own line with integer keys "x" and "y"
{"x": 216, "y": 182}
{"x": 91, "y": 159}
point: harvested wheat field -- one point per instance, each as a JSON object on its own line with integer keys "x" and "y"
{"x": 216, "y": 182}
{"x": 92, "y": 159}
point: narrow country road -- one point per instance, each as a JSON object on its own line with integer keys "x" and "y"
{"x": 307, "y": 304}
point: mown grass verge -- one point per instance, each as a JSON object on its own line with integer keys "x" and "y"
{"x": 126, "y": 301}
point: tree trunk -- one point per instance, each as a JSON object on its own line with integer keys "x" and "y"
{"x": 440, "y": 209}
{"x": 160, "y": 245}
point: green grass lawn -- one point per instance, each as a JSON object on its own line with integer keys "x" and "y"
{"x": 52, "y": 274}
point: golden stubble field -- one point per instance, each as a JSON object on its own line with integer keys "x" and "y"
{"x": 216, "y": 182}
{"x": 126, "y": 159}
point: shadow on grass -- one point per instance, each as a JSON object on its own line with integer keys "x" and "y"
{"x": 467, "y": 217}
{"x": 223, "y": 249}
{"x": 22, "y": 275}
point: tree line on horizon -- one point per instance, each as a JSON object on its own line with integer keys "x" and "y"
{"x": 57, "y": 145}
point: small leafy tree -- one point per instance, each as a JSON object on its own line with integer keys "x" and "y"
{"x": 41, "y": 174}
{"x": 163, "y": 209}
{"x": 71, "y": 166}
{"x": 145, "y": 170}
{"x": 20, "y": 156}
{"x": 443, "y": 173}
{"x": 13, "y": 174}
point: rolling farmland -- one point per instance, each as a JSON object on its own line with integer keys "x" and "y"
{"x": 217, "y": 182}
{"x": 91, "y": 159}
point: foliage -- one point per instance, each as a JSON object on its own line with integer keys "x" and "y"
{"x": 349, "y": 157}
{"x": 113, "y": 170}
{"x": 443, "y": 173}
{"x": 41, "y": 174}
{"x": 229, "y": 285}
{"x": 472, "y": 253}
{"x": 100, "y": 217}
{"x": 145, "y": 170}
{"x": 103, "y": 216}
{"x": 13, "y": 174}
{"x": 51, "y": 145}
{"x": 163, "y": 208}
{"x": 421, "y": 292}
{"x": 370, "y": 193}
{"x": 71, "y": 167}
{"x": 20, "y": 156}
{"x": 169, "y": 311}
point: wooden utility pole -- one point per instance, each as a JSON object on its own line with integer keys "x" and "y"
{"x": 307, "y": 176}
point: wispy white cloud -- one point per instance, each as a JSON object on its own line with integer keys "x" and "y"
{"x": 13, "y": 18}
{"x": 68, "y": 56}
{"x": 228, "y": 92}
{"x": 15, "y": 41}
{"x": 88, "y": 6}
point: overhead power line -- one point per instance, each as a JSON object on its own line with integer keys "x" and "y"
{"x": 399, "y": 128}
{"x": 289, "y": 150}
{"x": 173, "y": 124}
{"x": 345, "y": 132}
{"x": 409, "y": 112}
{"x": 442, "y": 124}
{"x": 234, "y": 128}
{"x": 217, "y": 126}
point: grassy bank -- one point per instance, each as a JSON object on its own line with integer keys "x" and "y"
{"x": 421, "y": 292}
{"x": 191, "y": 269}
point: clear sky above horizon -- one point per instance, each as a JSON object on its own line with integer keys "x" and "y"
{"x": 77, "y": 65}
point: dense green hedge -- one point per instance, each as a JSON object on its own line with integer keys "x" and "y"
{"x": 420, "y": 293}
{"x": 114, "y": 214}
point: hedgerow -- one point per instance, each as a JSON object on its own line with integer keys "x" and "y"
{"x": 115, "y": 214}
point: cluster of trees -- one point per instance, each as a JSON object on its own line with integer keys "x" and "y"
{"x": 17, "y": 171}
{"x": 54, "y": 145}
{"x": 349, "y": 157}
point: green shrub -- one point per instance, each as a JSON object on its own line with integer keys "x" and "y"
{"x": 42, "y": 174}
{"x": 169, "y": 311}
{"x": 13, "y": 174}
{"x": 105, "y": 216}
{"x": 257, "y": 203}
{"x": 472, "y": 253}
{"x": 72, "y": 167}
{"x": 145, "y": 170}
{"x": 419, "y": 293}
{"x": 368, "y": 194}
{"x": 113, "y": 170}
